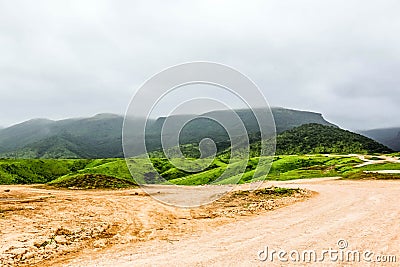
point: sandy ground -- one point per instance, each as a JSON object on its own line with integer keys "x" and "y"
{"x": 45, "y": 227}
{"x": 365, "y": 214}
{"x": 128, "y": 228}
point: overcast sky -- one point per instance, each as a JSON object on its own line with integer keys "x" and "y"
{"x": 62, "y": 59}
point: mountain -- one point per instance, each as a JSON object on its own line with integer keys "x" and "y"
{"x": 286, "y": 119}
{"x": 310, "y": 138}
{"x": 203, "y": 127}
{"x": 387, "y": 136}
{"x": 319, "y": 139}
{"x": 96, "y": 137}
{"x": 100, "y": 136}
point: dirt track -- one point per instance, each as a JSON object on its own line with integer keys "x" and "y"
{"x": 364, "y": 213}
{"x": 43, "y": 227}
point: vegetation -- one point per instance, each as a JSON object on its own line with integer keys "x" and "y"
{"x": 316, "y": 138}
{"x": 293, "y": 146}
{"x": 66, "y": 173}
{"x": 91, "y": 181}
{"x": 100, "y": 136}
{"x": 29, "y": 171}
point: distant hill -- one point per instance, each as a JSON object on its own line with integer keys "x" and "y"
{"x": 387, "y": 136}
{"x": 100, "y": 136}
{"x": 319, "y": 139}
{"x": 96, "y": 137}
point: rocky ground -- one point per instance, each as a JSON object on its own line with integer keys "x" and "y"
{"x": 345, "y": 216}
{"x": 42, "y": 226}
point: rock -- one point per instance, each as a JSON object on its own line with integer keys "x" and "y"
{"x": 99, "y": 243}
{"x": 28, "y": 256}
{"x": 18, "y": 251}
{"x": 32, "y": 248}
{"x": 13, "y": 245}
{"x": 61, "y": 240}
{"x": 51, "y": 246}
{"x": 63, "y": 231}
{"x": 117, "y": 236}
{"x": 41, "y": 242}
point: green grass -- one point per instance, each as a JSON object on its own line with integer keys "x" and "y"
{"x": 217, "y": 171}
{"x": 283, "y": 168}
{"x": 358, "y": 173}
{"x": 310, "y": 166}
{"x": 381, "y": 167}
{"x": 29, "y": 171}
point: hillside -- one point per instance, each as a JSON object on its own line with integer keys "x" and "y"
{"x": 316, "y": 138}
{"x": 387, "y": 136}
{"x": 100, "y": 136}
{"x": 114, "y": 172}
{"x": 30, "y": 171}
{"x": 96, "y": 137}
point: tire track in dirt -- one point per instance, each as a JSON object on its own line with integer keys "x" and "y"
{"x": 364, "y": 213}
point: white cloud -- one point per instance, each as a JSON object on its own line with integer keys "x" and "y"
{"x": 72, "y": 58}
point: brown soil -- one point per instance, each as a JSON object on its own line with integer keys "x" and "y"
{"x": 44, "y": 226}
{"x": 364, "y": 213}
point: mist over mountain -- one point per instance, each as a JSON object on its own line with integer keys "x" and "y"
{"x": 95, "y": 137}
{"x": 100, "y": 136}
{"x": 387, "y": 136}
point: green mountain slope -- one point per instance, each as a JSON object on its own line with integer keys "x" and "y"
{"x": 101, "y": 135}
{"x": 29, "y": 171}
{"x": 316, "y": 138}
{"x": 96, "y": 137}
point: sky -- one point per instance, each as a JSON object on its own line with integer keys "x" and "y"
{"x": 67, "y": 58}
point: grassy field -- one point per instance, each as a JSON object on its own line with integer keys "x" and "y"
{"x": 219, "y": 171}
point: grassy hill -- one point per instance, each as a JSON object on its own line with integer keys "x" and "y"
{"x": 114, "y": 173}
{"x": 302, "y": 140}
{"x": 316, "y": 138}
{"x": 30, "y": 171}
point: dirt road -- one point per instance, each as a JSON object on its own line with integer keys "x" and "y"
{"x": 128, "y": 228}
{"x": 41, "y": 226}
{"x": 366, "y": 214}
{"x": 368, "y": 160}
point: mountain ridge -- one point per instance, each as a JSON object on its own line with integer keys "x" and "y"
{"x": 388, "y": 136}
{"x": 100, "y": 136}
